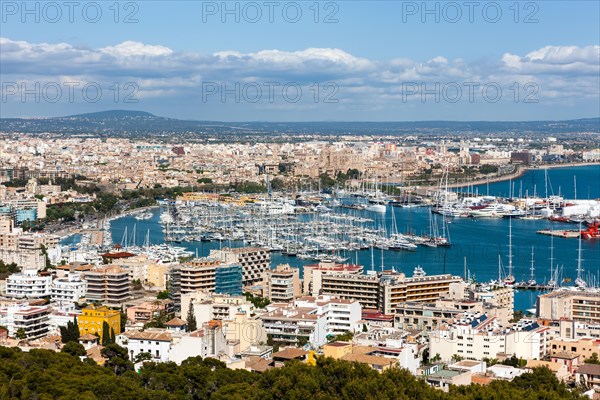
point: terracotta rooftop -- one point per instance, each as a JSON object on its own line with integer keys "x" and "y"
{"x": 88, "y": 337}
{"x": 289, "y": 353}
{"x": 176, "y": 322}
{"x": 589, "y": 369}
{"x": 257, "y": 364}
{"x": 149, "y": 335}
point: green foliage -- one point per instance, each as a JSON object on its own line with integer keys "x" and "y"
{"x": 488, "y": 169}
{"x": 191, "y": 319}
{"x": 277, "y": 184}
{"x": 249, "y": 187}
{"x": 143, "y": 356}
{"x": 257, "y": 301}
{"x": 136, "y": 284}
{"x": 74, "y": 349}
{"x": 7, "y": 269}
{"x": 344, "y": 337}
{"x": 44, "y": 374}
{"x": 116, "y": 359}
{"x": 457, "y": 357}
{"x": 20, "y": 334}
{"x": 163, "y": 295}
{"x": 593, "y": 359}
{"x": 515, "y": 362}
{"x": 326, "y": 180}
{"x": 490, "y": 361}
{"x": 205, "y": 180}
{"x": 70, "y": 333}
{"x": 517, "y": 316}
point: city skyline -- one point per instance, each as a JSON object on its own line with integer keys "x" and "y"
{"x": 328, "y": 61}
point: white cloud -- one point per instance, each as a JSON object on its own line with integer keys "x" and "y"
{"x": 159, "y": 71}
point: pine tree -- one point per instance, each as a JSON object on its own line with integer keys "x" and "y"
{"x": 113, "y": 339}
{"x": 191, "y": 319}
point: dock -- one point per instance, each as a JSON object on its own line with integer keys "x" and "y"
{"x": 561, "y": 233}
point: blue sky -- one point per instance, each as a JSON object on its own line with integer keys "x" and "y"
{"x": 354, "y": 60}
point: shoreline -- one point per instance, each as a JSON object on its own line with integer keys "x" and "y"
{"x": 519, "y": 173}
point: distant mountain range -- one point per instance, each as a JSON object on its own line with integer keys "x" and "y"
{"x": 140, "y": 123}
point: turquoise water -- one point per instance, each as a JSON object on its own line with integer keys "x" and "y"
{"x": 560, "y": 180}
{"x": 478, "y": 240}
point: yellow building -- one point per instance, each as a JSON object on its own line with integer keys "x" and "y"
{"x": 92, "y": 319}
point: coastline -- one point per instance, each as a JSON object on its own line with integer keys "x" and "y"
{"x": 520, "y": 172}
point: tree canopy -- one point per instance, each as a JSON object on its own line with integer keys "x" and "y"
{"x": 45, "y": 374}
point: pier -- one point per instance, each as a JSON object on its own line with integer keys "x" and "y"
{"x": 570, "y": 234}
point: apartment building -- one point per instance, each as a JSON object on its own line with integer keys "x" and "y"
{"x": 30, "y": 284}
{"x": 108, "y": 285}
{"x": 583, "y": 347}
{"x": 430, "y": 316}
{"x": 24, "y": 248}
{"x": 397, "y": 289}
{"x": 342, "y": 314}
{"x": 209, "y": 341}
{"x": 475, "y": 337}
{"x": 254, "y": 261}
{"x": 213, "y": 306}
{"x": 499, "y": 296}
{"x": 228, "y": 279}
{"x": 362, "y": 288}
{"x": 282, "y": 284}
{"x": 68, "y": 289}
{"x": 313, "y": 273}
{"x": 295, "y": 325}
{"x": 311, "y": 319}
{"x": 198, "y": 274}
{"x": 573, "y": 305}
{"x": 147, "y": 310}
{"x": 33, "y": 320}
{"x": 155, "y": 342}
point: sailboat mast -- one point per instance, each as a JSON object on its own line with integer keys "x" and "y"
{"x": 510, "y": 256}
{"x": 579, "y": 256}
{"x": 532, "y": 265}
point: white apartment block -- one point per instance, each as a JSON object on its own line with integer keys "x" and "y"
{"x": 155, "y": 342}
{"x": 311, "y": 319}
{"x": 34, "y": 320}
{"x": 68, "y": 289}
{"x": 29, "y": 284}
{"x": 254, "y": 261}
{"x": 342, "y": 314}
{"x": 209, "y": 306}
{"x": 475, "y": 337}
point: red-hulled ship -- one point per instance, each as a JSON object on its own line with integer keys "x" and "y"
{"x": 591, "y": 232}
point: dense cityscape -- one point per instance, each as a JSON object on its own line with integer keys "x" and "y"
{"x": 71, "y": 285}
{"x": 286, "y": 200}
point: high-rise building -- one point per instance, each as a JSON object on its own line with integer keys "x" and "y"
{"x": 228, "y": 279}
{"x": 32, "y": 320}
{"x": 108, "y": 285}
{"x": 282, "y": 284}
{"x": 578, "y": 306}
{"x": 254, "y": 261}
{"x": 29, "y": 284}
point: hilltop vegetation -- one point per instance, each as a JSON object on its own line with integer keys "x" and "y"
{"x": 44, "y": 374}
